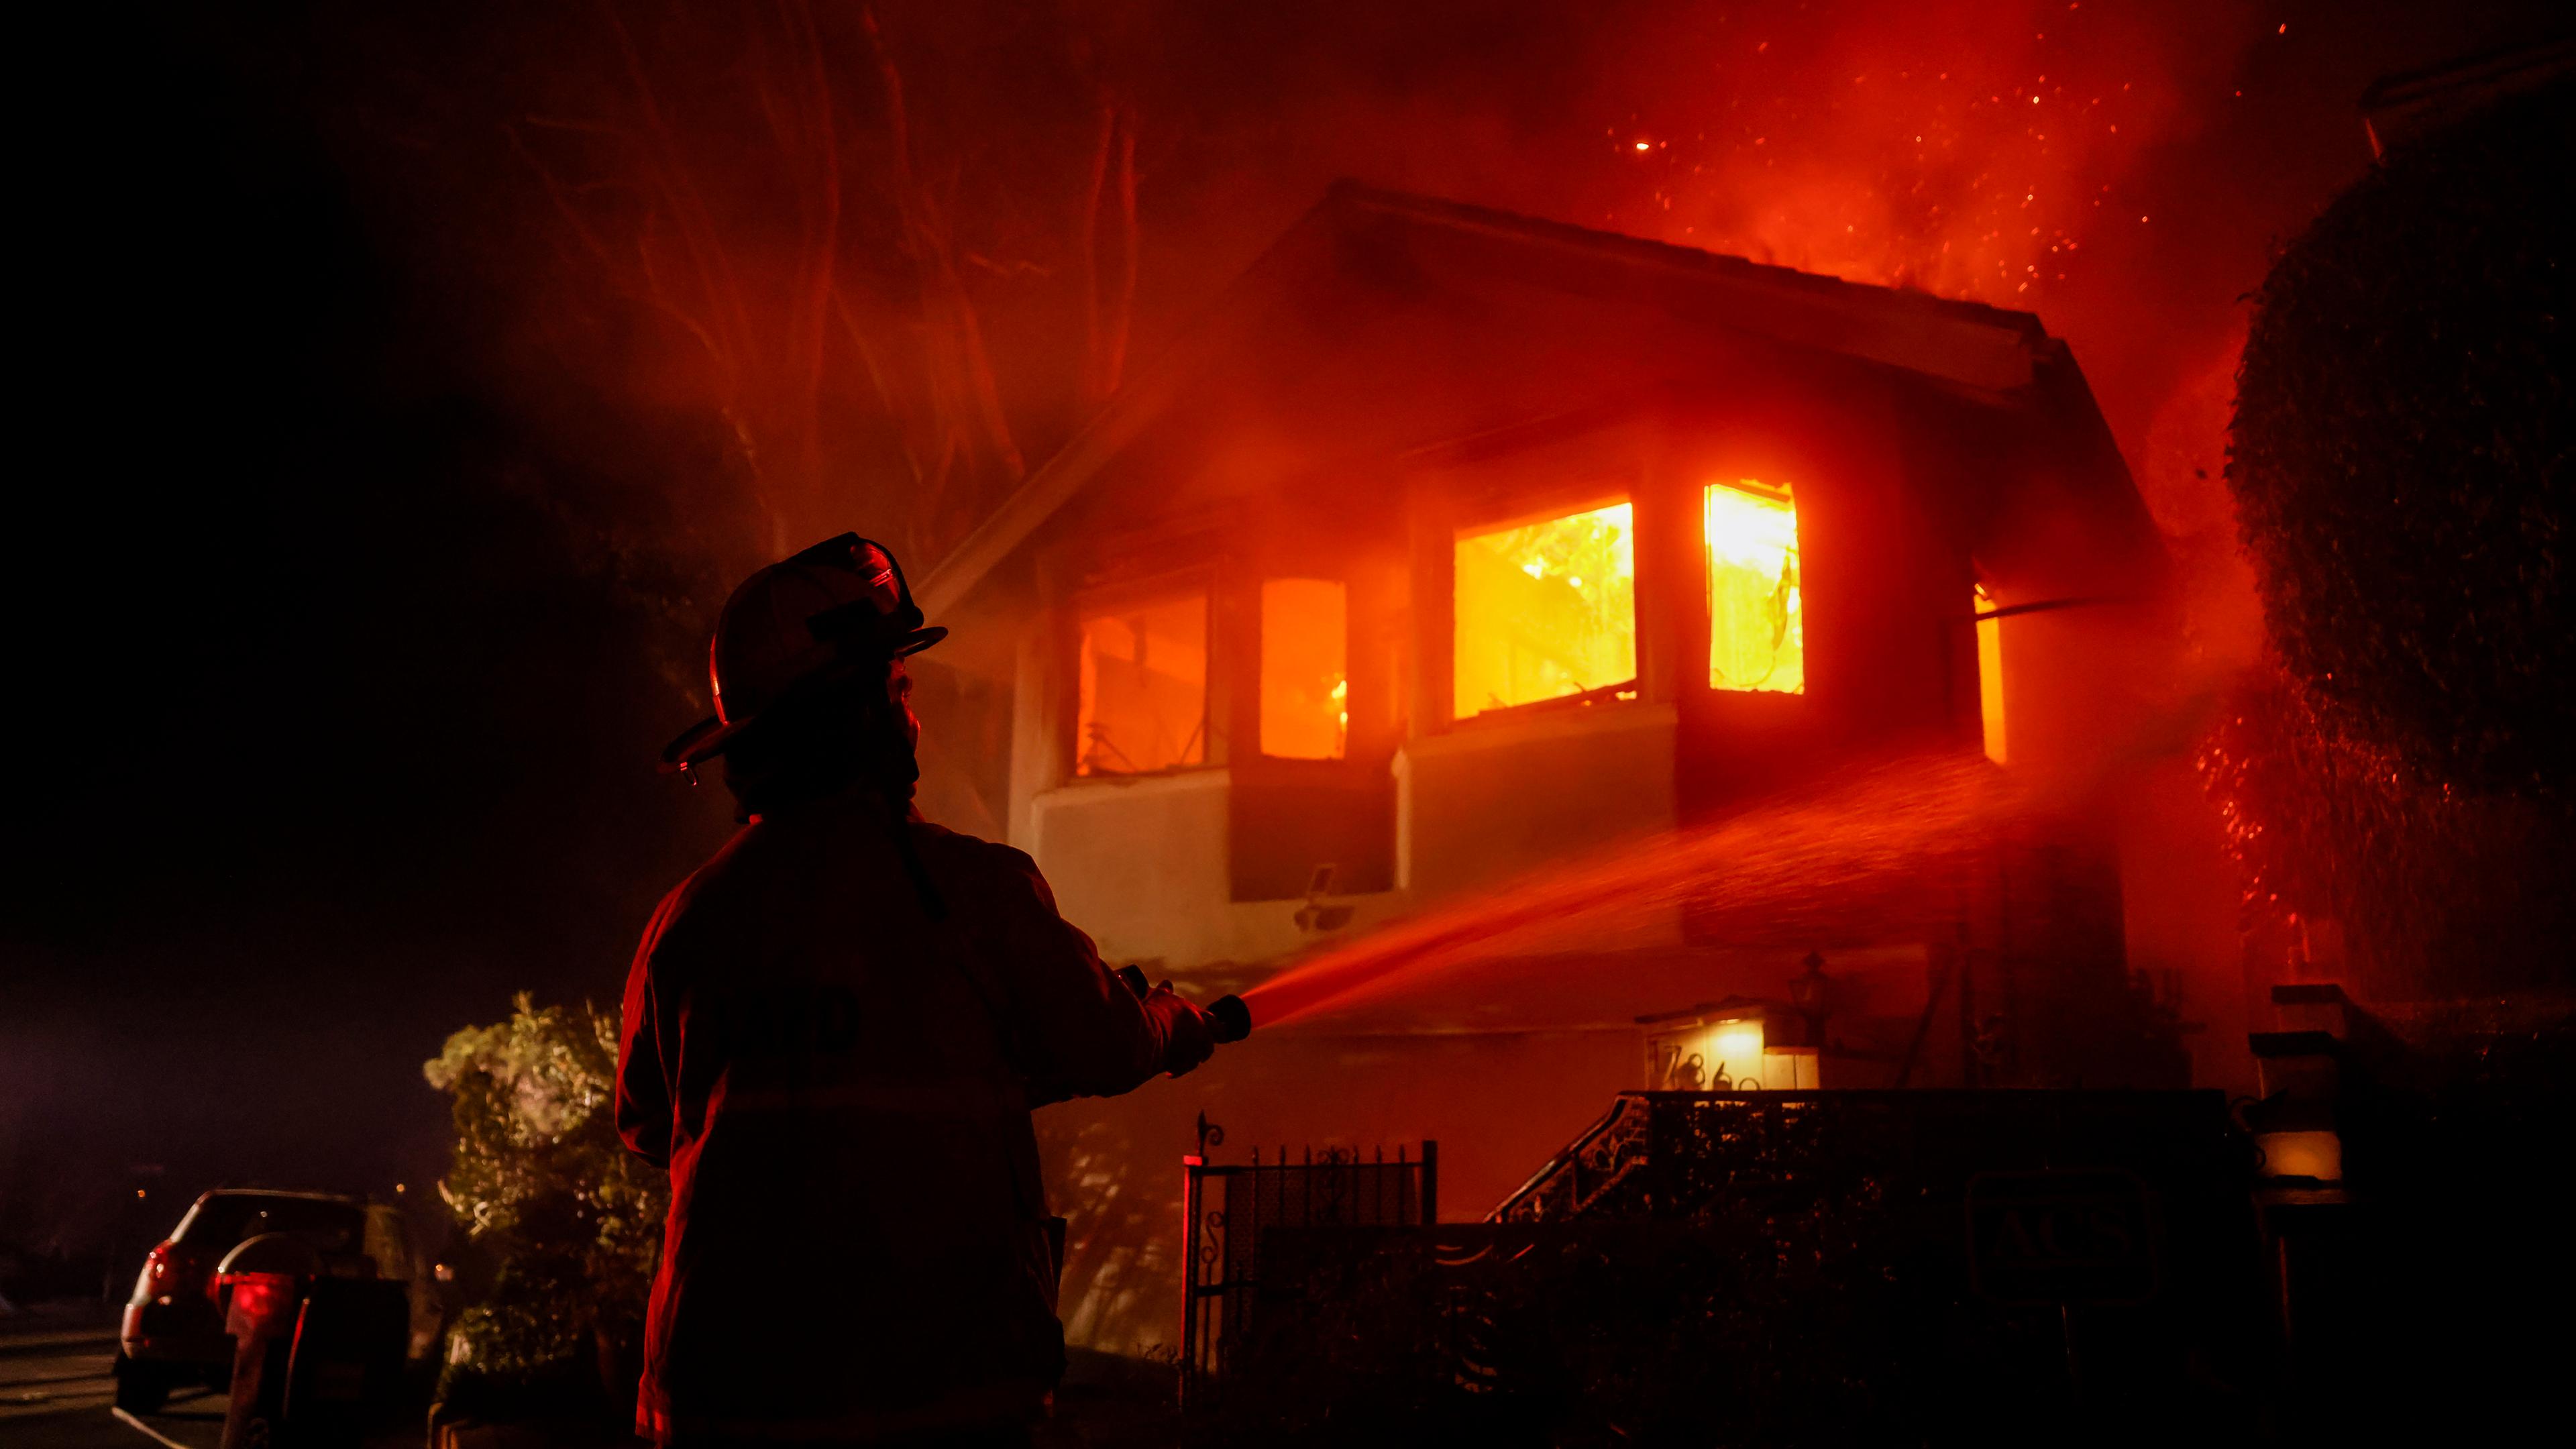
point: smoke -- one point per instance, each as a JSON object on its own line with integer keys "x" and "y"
{"x": 443, "y": 363}
{"x": 1974, "y": 151}
{"x": 889, "y": 256}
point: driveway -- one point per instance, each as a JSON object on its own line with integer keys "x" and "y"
{"x": 57, "y": 1391}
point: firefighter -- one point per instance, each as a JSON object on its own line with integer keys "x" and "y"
{"x": 834, "y": 1033}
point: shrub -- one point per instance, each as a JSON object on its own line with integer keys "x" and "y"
{"x": 569, "y": 1220}
{"x": 2400, "y": 453}
{"x": 2441, "y": 890}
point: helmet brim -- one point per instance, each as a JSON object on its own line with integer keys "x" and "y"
{"x": 709, "y": 737}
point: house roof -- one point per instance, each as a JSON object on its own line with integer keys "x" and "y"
{"x": 1964, "y": 344}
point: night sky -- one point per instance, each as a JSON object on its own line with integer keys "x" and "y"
{"x": 370, "y": 513}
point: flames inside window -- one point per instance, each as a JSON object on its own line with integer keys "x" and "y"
{"x": 1990, "y": 676}
{"x": 1305, "y": 690}
{"x": 1143, "y": 702}
{"x": 1756, "y": 638}
{"x": 1546, "y": 610}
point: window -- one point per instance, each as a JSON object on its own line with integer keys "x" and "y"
{"x": 387, "y": 1243}
{"x": 1143, "y": 702}
{"x": 1990, "y": 676}
{"x": 1305, "y": 689}
{"x": 1545, "y": 610}
{"x": 227, "y": 1219}
{"x": 1756, "y": 637}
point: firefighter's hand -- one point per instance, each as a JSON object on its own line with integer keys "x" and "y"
{"x": 1187, "y": 1040}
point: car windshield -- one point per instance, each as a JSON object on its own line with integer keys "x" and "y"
{"x": 229, "y": 1218}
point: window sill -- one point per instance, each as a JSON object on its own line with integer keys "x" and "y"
{"x": 1612, "y": 696}
{"x": 1504, "y": 728}
{"x": 1177, "y": 777}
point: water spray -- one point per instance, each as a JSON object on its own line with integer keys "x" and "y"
{"x": 1885, "y": 843}
{"x": 1876, "y": 849}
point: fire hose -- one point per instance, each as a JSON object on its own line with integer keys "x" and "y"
{"x": 1229, "y": 1020}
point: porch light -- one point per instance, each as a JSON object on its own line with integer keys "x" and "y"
{"x": 1756, "y": 626}
{"x": 1729, "y": 1046}
{"x": 1713, "y": 1048}
{"x": 2312, "y": 1154}
{"x": 1739, "y": 1051}
{"x": 2299, "y": 1077}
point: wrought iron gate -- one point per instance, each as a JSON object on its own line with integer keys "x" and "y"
{"x": 1225, "y": 1209}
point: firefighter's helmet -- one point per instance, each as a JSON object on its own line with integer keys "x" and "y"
{"x": 824, "y": 614}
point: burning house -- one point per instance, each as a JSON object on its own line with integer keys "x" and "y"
{"x": 1451, "y": 548}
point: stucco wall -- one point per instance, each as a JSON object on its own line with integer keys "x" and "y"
{"x": 1494, "y": 800}
{"x": 1141, "y": 865}
{"x": 1138, "y": 863}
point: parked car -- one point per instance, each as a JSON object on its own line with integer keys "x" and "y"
{"x": 173, "y": 1331}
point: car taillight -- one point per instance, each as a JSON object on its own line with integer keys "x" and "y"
{"x": 154, "y": 1280}
{"x": 261, "y": 1303}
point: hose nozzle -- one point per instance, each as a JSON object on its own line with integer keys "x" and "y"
{"x": 1229, "y": 1019}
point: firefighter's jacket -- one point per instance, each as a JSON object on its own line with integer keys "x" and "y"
{"x": 840, "y": 1086}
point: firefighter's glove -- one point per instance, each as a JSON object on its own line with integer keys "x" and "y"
{"x": 1187, "y": 1037}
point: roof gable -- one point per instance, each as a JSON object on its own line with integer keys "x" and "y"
{"x": 1361, "y": 240}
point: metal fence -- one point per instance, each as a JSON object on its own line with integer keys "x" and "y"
{"x": 1673, "y": 1155}
{"x": 1777, "y": 1267}
{"x": 1226, "y": 1210}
